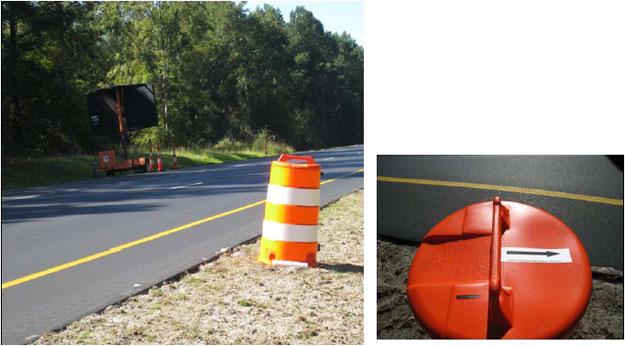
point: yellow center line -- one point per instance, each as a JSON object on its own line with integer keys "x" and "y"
{"x": 140, "y": 241}
{"x": 504, "y": 188}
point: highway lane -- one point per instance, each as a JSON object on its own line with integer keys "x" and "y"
{"x": 50, "y": 226}
{"x": 408, "y": 211}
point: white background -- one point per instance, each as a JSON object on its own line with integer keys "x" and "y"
{"x": 488, "y": 77}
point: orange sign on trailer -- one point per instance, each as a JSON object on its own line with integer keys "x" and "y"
{"x": 499, "y": 270}
{"x": 107, "y": 160}
{"x": 109, "y": 164}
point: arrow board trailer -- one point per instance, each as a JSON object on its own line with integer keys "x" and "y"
{"x": 499, "y": 270}
{"x": 117, "y": 110}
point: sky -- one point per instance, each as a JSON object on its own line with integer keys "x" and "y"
{"x": 336, "y": 16}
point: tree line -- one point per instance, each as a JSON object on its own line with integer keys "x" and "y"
{"x": 219, "y": 72}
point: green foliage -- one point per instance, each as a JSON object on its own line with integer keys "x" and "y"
{"x": 263, "y": 139}
{"x": 224, "y": 76}
{"x": 152, "y": 135}
{"x": 244, "y": 303}
{"x": 24, "y": 172}
{"x": 48, "y": 63}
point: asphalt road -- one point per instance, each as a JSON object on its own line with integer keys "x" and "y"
{"x": 50, "y": 226}
{"x": 408, "y": 211}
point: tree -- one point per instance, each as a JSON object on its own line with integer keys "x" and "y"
{"x": 219, "y": 71}
{"x": 47, "y": 51}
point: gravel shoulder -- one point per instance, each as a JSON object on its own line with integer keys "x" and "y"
{"x": 235, "y": 300}
{"x": 603, "y": 318}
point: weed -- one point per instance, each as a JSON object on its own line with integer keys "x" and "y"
{"x": 192, "y": 334}
{"x": 180, "y": 296}
{"x": 193, "y": 280}
{"x": 84, "y": 336}
{"x": 216, "y": 287}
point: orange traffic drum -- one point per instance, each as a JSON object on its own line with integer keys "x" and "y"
{"x": 291, "y": 213}
{"x": 499, "y": 270}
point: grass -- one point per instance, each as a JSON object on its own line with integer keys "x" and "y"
{"x": 244, "y": 302}
{"x": 28, "y": 172}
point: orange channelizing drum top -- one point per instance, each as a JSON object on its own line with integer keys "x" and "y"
{"x": 499, "y": 270}
{"x": 306, "y": 175}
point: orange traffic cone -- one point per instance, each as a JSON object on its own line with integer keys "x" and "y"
{"x": 291, "y": 213}
{"x": 159, "y": 163}
{"x": 151, "y": 167}
{"x": 175, "y": 161}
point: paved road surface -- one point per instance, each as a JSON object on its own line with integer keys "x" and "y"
{"x": 50, "y": 226}
{"x": 408, "y": 211}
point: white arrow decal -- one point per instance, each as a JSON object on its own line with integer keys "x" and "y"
{"x": 533, "y": 255}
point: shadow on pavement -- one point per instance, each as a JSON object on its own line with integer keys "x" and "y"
{"x": 117, "y": 194}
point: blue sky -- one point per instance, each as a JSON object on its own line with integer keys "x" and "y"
{"x": 336, "y": 16}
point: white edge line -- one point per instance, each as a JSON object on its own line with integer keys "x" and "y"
{"x": 180, "y": 187}
{"x": 6, "y": 199}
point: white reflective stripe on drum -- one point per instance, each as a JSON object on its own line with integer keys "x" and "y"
{"x": 285, "y": 232}
{"x": 277, "y": 194}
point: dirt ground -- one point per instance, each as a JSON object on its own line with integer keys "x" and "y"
{"x": 235, "y": 300}
{"x": 603, "y": 318}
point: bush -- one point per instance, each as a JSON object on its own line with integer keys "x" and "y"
{"x": 227, "y": 144}
{"x": 262, "y": 140}
{"x": 152, "y": 135}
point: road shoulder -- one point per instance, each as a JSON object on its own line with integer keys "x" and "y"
{"x": 235, "y": 300}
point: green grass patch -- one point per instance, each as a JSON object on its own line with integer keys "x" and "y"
{"x": 28, "y": 172}
{"x": 193, "y": 281}
{"x": 157, "y": 292}
{"x": 245, "y": 303}
{"x": 180, "y": 296}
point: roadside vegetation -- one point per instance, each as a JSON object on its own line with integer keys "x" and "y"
{"x": 235, "y": 300}
{"x": 220, "y": 73}
{"x": 27, "y": 172}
